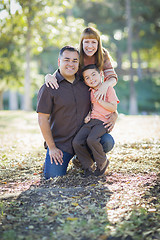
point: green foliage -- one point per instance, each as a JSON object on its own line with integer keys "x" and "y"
{"x": 147, "y": 95}
{"x": 148, "y": 91}
{"x": 43, "y": 27}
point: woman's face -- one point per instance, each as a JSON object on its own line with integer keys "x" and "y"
{"x": 90, "y": 46}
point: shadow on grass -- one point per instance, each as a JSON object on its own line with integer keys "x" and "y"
{"x": 68, "y": 207}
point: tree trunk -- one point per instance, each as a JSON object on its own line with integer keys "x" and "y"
{"x": 27, "y": 85}
{"x": 139, "y": 69}
{"x": 13, "y": 100}
{"x": 1, "y": 100}
{"x": 119, "y": 59}
{"x": 133, "y": 109}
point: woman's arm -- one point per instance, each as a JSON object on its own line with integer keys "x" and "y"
{"x": 100, "y": 94}
{"x": 110, "y": 106}
{"x": 108, "y": 69}
{"x": 50, "y": 80}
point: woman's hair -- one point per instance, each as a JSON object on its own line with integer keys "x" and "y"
{"x": 92, "y": 33}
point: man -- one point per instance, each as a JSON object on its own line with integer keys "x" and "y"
{"x": 61, "y": 113}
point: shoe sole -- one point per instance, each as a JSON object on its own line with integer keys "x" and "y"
{"x": 103, "y": 170}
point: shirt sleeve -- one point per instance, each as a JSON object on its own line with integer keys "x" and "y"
{"x": 44, "y": 100}
{"x": 111, "y": 95}
{"x": 108, "y": 70}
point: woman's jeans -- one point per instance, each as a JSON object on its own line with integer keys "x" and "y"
{"x": 53, "y": 170}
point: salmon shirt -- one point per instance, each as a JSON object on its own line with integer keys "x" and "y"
{"x": 98, "y": 111}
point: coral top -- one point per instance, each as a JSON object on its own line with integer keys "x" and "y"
{"x": 99, "y": 112}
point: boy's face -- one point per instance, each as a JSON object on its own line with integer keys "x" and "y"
{"x": 92, "y": 78}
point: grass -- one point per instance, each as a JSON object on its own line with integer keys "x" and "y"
{"x": 122, "y": 205}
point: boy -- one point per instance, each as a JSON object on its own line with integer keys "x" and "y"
{"x": 89, "y": 135}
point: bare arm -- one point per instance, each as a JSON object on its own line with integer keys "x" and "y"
{"x": 111, "y": 120}
{"x": 55, "y": 153}
{"x": 110, "y": 106}
{"x": 50, "y": 80}
{"x": 101, "y": 93}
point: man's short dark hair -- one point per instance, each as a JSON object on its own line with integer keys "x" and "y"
{"x": 68, "y": 48}
{"x": 91, "y": 66}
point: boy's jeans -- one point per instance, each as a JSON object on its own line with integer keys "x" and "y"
{"x": 53, "y": 170}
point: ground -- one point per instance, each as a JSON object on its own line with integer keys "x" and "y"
{"x": 124, "y": 204}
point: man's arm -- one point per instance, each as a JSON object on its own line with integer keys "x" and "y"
{"x": 55, "y": 153}
{"x": 111, "y": 120}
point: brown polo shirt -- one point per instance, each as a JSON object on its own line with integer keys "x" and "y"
{"x": 68, "y": 106}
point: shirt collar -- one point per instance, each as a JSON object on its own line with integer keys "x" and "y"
{"x": 60, "y": 78}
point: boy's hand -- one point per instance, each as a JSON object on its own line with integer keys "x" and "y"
{"x": 87, "y": 119}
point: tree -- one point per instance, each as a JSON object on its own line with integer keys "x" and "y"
{"x": 133, "y": 101}
{"x": 36, "y": 26}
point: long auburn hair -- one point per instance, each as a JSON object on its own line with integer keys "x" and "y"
{"x": 92, "y": 33}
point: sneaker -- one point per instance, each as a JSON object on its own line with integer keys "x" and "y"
{"x": 87, "y": 173}
{"x": 99, "y": 172}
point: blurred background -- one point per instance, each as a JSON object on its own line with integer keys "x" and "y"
{"x": 33, "y": 31}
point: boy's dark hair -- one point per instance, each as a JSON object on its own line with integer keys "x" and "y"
{"x": 68, "y": 48}
{"x": 91, "y": 66}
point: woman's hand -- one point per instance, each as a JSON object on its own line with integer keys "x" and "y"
{"x": 100, "y": 94}
{"x": 50, "y": 80}
{"x": 110, "y": 121}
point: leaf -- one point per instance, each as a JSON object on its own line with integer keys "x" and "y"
{"x": 71, "y": 219}
{"x": 75, "y": 204}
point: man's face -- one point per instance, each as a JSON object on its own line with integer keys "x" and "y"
{"x": 68, "y": 63}
{"x": 92, "y": 78}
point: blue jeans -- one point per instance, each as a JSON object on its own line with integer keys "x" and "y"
{"x": 53, "y": 170}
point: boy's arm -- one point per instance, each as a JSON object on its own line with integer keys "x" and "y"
{"x": 110, "y": 106}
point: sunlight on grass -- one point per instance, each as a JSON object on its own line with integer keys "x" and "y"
{"x": 123, "y": 204}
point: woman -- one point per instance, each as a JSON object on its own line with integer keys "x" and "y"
{"x": 92, "y": 52}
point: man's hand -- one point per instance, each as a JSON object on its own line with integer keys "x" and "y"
{"x": 110, "y": 121}
{"x": 57, "y": 155}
